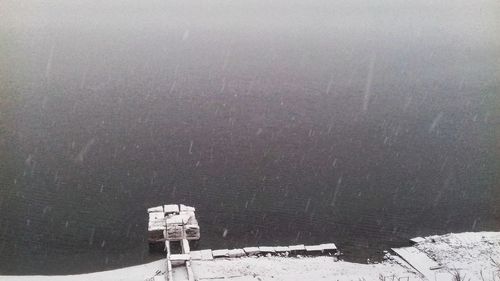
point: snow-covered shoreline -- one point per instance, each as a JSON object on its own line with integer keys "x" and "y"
{"x": 475, "y": 256}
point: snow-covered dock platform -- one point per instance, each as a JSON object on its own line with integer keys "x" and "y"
{"x": 418, "y": 262}
{"x": 177, "y": 224}
{"x": 174, "y": 224}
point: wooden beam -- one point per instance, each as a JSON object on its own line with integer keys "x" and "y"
{"x": 236, "y": 253}
{"x": 251, "y": 250}
{"x": 266, "y": 249}
{"x": 185, "y": 246}
{"x": 206, "y": 255}
{"x": 190, "y": 272}
{"x": 195, "y": 255}
{"x": 179, "y": 257}
{"x": 220, "y": 253}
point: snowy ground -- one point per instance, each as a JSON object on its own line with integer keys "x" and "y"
{"x": 475, "y": 256}
{"x": 246, "y": 269}
{"x": 291, "y": 269}
{"x": 133, "y": 273}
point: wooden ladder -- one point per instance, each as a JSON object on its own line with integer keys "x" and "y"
{"x": 185, "y": 258}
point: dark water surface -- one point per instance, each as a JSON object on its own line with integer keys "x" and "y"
{"x": 362, "y": 123}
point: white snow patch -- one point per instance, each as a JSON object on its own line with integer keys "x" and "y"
{"x": 472, "y": 254}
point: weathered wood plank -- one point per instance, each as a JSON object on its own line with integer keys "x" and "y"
{"x": 171, "y": 208}
{"x": 329, "y": 247}
{"x": 220, "y": 253}
{"x": 195, "y": 255}
{"x": 251, "y": 250}
{"x": 189, "y": 271}
{"x": 207, "y": 255}
{"x": 175, "y": 232}
{"x": 297, "y": 248}
{"x": 314, "y": 248}
{"x": 179, "y": 257}
{"x": 236, "y": 253}
{"x": 156, "y": 209}
{"x": 266, "y": 249}
{"x": 184, "y": 208}
{"x": 192, "y": 231}
{"x": 156, "y": 221}
{"x": 185, "y": 246}
{"x": 169, "y": 274}
{"x": 281, "y": 249}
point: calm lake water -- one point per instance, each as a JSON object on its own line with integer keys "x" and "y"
{"x": 362, "y": 123}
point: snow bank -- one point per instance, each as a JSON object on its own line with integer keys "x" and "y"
{"x": 474, "y": 255}
{"x": 295, "y": 269}
{"x": 133, "y": 273}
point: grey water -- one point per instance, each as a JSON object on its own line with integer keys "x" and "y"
{"x": 362, "y": 123}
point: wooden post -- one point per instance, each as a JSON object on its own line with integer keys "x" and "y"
{"x": 168, "y": 274}
{"x": 189, "y": 270}
{"x": 185, "y": 246}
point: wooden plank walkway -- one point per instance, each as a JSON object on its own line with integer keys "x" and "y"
{"x": 420, "y": 262}
{"x": 184, "y": 259}
{"x": 176, "y": 223}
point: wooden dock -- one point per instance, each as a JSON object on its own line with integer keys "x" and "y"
{"x": 173, "y": 223}
{"x": 328, "y": 249}
{"x": 183, "y": 259}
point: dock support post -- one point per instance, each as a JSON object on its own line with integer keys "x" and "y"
{"x": 189, "y": 270}
{"x": 185, "y": 246}
{"x": 187, "y": 250}
{"x": 168, "y": 274}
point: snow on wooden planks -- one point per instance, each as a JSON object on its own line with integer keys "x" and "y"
{"x": 195, "y": 255}
{"x": 179, "y": 221}
{"x": 185, "y": 246}
{"x": 250, "y": 251}
{"x": 171, "y": 209}
{"x": 184, "y": 208}
{"x": 281, "y": 249}
{"x": 156, "y": 221}
{"x": 220, "y": 253}
{"x": 235, "y": 253}
{"x": 206, "y": 255}
{"x": 263, "y": 251}
{"x": 266, "y": 250}
{"x": 322, "y": 248}
{"x": 418, "y": 260}
{"x": 297, "y": 249}
{"x": 158, "y": 209}
{"x": 179, "y": 257}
